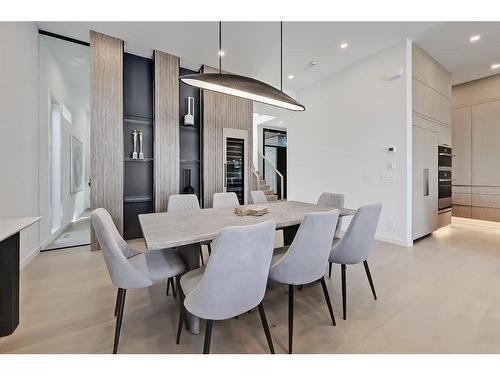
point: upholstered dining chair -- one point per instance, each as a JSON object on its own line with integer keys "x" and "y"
{"x": 130, "y": 269}
{"x": 181, "y": 203}
{"x": 355, "y": 246}
{"x": 258, "y": 197}
{"x": 225, "y": 200}
{"x": 304, "y": 261}
{"x": 333, "y": 200}
{"x": 233, "y": 281}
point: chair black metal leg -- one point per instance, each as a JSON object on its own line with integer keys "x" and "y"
{"x": 330, "y": 270}
{"x": 327, "y": 298}
{"x": 182, "y": 313}
{"x": 173, "y": 281}
{"x": 344, "y": 291}
{"x": 209, "y": 246}
{"x": 118, "y": 296}
{"x": 169, "y": 280}
{"x": 208, "y": 335}
{"x": 263, "y": 319}
{"x": 201, "y": 257}
{"x": 119, "y": 317}
{"x": 290, "y": 318}
{"x": 368, "y": 274}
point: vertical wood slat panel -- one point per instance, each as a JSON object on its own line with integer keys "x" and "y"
{"x": 221, "y": 111}
{"x": 106, "y": 135}
{"x": 166, "y": 128}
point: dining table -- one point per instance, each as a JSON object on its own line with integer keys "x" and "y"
{"x": 187, "y": 230}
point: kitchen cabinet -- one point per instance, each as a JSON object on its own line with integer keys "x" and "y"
{"x": 461, "y": 138}
{"x": 425, "y": 188}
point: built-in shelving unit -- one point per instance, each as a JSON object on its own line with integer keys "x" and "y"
{"x": 138, "y": 115}
{"x": 190, "y": 138}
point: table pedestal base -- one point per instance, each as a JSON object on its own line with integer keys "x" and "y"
{"x": 9, "y": 285}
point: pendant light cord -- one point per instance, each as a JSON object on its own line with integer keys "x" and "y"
{"x": 281, "y": 56}
{"x": 220, "y": 47}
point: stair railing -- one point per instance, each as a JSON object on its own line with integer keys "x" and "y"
{"x": 267, "y": 162}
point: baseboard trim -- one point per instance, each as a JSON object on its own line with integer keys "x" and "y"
{"x": 29, "y": 258}
{"x": 394, "y": 241}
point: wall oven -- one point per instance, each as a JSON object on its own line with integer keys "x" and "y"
{"x": 444, "y": 177}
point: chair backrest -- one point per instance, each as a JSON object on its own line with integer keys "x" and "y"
{"x": 258, "y": 197}
{"x": 307, "y": 257}
{"x": 236, "y": 274}
{"x": 225, "y": 200}
{"x": 333, "y": 200}
{"x": 182, "y": 202}
{"x": 116, "y": 253}
{"x": 355, "y": 245}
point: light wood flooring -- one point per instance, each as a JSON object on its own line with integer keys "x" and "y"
{"x": 441, "y": 296}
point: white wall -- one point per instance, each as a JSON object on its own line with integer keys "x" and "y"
{"x": 339, "y": 144}
{"x": 57, "y": 86}
{"x": 19, "y": 127}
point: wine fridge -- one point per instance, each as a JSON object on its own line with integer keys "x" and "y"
{"x": 235, "y": 163}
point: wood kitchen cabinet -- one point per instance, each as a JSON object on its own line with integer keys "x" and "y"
{"x": 461, "y": 135}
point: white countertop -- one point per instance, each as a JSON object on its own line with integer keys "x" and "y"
{"x": 8, "y": 227}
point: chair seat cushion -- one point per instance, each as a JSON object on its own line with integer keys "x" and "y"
{"x": 158, "y": 265}
{"x": 191, "y": 279}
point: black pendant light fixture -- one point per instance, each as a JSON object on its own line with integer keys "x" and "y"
{"x": 244, "y": 87}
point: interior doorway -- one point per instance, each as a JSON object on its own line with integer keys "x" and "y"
{"x": 275, "y": 153}
{"x": 64, "y": 143}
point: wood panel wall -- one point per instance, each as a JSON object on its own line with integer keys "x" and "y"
{"x": 106, "y": 128}
{"x": 476, "y": 144}
{"x": 221, "y": 111}
{"x": 166, "y": 128}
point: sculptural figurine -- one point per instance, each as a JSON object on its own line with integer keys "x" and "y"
{"x": 141, "y": 154}
{"x": 134, "y": 136}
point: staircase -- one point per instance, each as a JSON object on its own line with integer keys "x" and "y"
{"x": 262, "y": 185}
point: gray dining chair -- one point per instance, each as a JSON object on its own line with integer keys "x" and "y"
{"x": 258, "y": 197}
{"x": 225, "y": 200}
{"x": 355, "y": 246}
{"x": 333, "y": 200}
{"x": 130, "y": 269}
{"x": 305, "y": 260}
{"x": 182, "y": 203}
{"x": 233, "y": 281}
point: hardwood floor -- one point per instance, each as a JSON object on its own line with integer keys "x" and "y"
{"x": 441, "y": 296}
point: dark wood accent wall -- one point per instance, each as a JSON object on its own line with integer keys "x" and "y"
{"x": 221, "y": 111}
{"x": 166, "y": 129}
{"x": 106, "y": 139}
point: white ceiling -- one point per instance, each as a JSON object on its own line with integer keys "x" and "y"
{"x": 252, "y": 48}
{"x": 449, "y": 44}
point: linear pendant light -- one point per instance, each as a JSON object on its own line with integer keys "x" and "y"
{"x": 243, "y": 87}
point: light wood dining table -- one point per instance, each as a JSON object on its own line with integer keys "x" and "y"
{"x": 186, "y": 230}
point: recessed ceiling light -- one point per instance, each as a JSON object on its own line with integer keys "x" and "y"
{"x": 474, "y": 38}
{"x": 291, "y": 76}
{"x": 344, "y": 45}
{"x": 495, "y": 66}
{"x": 222, "y": 53}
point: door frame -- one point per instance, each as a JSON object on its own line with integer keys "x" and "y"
{"x": 239, "y": 134}
{"x": 285, "y": 175}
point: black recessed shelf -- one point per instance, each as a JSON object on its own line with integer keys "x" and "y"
{"x": 138, "y": 160}
{"x": 137, "y": 199}
{"x": 138, "y": 196}
{"x": 190, "y": 141}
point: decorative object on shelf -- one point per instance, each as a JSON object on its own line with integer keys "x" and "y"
{"x": 134, "y": 137}
{"x": 244, "y": 87}
{"x": 251, "y": 209}
{"x": 76, "y": 165}
{"x": 189, "y": 117}
{"x": 141, "y": 154}
{"x": 188, "y": 189}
